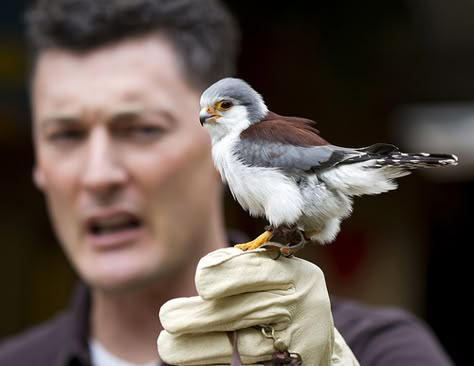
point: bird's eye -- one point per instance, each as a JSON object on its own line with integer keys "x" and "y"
{"x": 224, "y": 105}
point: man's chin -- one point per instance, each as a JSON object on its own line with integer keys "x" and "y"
{"x": 121, "y": 277}
{"x": 125, "y": 271}
{"x": 123, "y": 283}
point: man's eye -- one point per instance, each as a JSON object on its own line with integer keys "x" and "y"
{"x": 66, "y": 135}
{"x": 140, "y": 132}
{"x": 146, "y": 130}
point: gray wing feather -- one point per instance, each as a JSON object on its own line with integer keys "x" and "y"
{"x": 279, "y": 155}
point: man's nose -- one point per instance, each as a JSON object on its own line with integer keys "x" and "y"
{"x": 103, "y": 169}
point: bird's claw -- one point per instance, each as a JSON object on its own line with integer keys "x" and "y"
{"x": 256, "y": 243}
{"x": 282, "y": 241}
{"x": 286, "y": 250}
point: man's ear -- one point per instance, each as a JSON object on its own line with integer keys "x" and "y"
{"x": 38, "y": 178}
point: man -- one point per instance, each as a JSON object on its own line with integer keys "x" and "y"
{"x": 131, "y": 189}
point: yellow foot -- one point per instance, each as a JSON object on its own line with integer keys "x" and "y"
{"x": 256, "y": 243}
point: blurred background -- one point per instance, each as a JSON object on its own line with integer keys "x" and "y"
{"x": 367, "y": 71}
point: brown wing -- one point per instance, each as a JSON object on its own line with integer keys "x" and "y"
{"x": 286, "y": 130}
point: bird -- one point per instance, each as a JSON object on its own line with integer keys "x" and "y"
{"x": 280, "y": 168}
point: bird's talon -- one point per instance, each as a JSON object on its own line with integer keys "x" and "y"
{"x": 246, "y": 246}
{"x": 256, "y": 243}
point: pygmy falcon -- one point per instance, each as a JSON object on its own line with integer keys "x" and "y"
{"x": 280, "y": 168}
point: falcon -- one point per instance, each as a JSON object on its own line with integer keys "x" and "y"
{"x": 281, "y": 169}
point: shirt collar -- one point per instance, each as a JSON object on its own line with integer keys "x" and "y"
{"x": 75, "y": 333}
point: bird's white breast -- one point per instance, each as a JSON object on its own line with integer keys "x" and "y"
{"x": 264, "y": 192}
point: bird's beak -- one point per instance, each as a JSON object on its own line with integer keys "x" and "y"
{"x": 207, "y": 115}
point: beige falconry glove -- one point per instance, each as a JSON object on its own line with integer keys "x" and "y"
{"x": 246, "y": 292}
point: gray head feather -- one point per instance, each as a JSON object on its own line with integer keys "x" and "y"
{"x": 241, "y": 93}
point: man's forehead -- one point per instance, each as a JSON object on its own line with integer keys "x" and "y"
{"x": 58, "y": 67}
{"x": 74, "y": 99}
{"x": 63, "y": 82}
{"x": 126, "y": 77}
{"x": 129, "y": 64}
{"x": 151, "y": 49}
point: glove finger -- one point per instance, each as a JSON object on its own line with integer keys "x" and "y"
{"x": 342, "y": 355}
{"x": 213, "y": 348}
{"x": 230, "y": 271}
{"x": 195, "y": 315}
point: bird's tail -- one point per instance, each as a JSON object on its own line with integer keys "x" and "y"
{"x": 375, "y": 169}
{"x": 415, "y": 160}
{"x": 378, "y": 168}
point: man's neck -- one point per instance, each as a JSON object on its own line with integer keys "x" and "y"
{"x": 127, "y": 323}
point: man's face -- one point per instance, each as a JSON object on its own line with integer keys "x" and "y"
{"x": 123, "y": 162}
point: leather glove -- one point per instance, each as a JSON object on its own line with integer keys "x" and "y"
{"x": 242, "y": 291}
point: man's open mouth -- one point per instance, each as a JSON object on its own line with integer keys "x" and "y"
{"x": 113, "y": 224}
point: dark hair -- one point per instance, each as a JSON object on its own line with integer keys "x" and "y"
{"x": 203, "y": 32}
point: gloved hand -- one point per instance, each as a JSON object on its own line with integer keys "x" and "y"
{"x": 242, "y": 291}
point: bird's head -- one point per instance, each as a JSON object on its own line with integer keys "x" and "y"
{"x": 230, "y": 104}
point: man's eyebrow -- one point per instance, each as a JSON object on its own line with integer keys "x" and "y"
{"x": 126, "y": 110}
{"x": 124, "y": 114}
{"x": 136, "y": 110}
{"x": 62, "y": 119}
{"x": 123, "y": 111}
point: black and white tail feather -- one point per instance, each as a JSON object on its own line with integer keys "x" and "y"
{"x": 374, "y": 169}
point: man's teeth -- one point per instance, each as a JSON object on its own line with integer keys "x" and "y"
{"x": 113, "y": 224}
{"x": 112, "y": 221}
